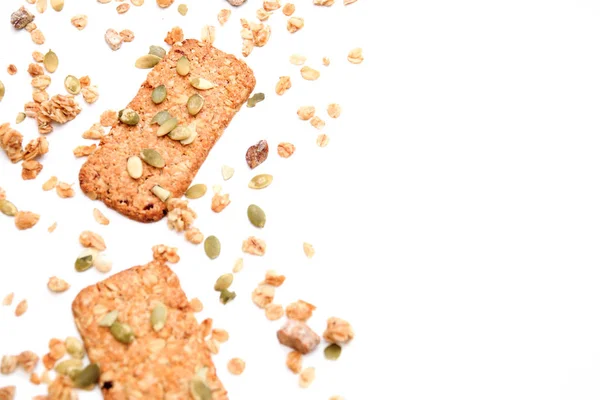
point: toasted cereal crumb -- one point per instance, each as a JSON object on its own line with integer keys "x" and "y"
{"x": 37, "y": 36}
{"x": 196, "y": 305}
{"x": 338, "y": 331}
{"x": 194, "y": 236}
{"x": 322, "y": 140}
{"x": 85, "y": 81}
{"x": 12, "y": 69}
{"x": 52, "y": 227}
{"x": 79, "y": 21}
{"x": 26, "y": 220}
{"x": 288, "y": 9}
{"x": 327, "y": 3}
{"x": 84, "y": 151}
{"x": 21, "y": 308}
{"x": 310, "y": 74}
{"x": 271, "y": 5}
{"x": 297, "y": 59}
{"x": 8, "y": 364}
{"x": 254, "y": 246}
{"x": 273, "y": 278}
{"x": 294, "y": 361}
{"x": 355, "y": 56}
{"x": 50, "y": 184}
{"x": 317, "y": 122}
{"x": 300, "y": 310}
{"x": 8, "y": 299}
{"x": 127, "y": 35}
{"x": 262, "y": 14}
{"x": 274, "y": 311}
{"x": 236, "y": 366}
{"x": 207, "y": 34}
{"x": 306, "y": 112}
{"x": 48, "y": 361}
{"x": 28, "y": 360}
{"x": 334, "y": 110}
{"x": 238, "y": 265}
{"x": 180, "y": 216}
{"x": 283, "y": 85}
{"x": 164, "y": 253}
{"x": 223, "y": 16}
{"x": 309, "y": 250}
{"x": 90, "y": 94}
{"x": 285, "y": 149}
{"x": 64, "y": 190}
{"x": 219, "y": 202}
{"x": 263, "y": 295}
{"x": 220, "y": 335}
{"x": 100, "y": 218}
{"x": 175, "y": 35}
{"x": 37, "y": 56}
{"x": 294, "y": 24}
{"x": 61, "y": 388}
{"x": 326, "y": 61}
{"x": 30, "y": 169}
{"x": 95, "y": 132}
{"x": 57, "y": 285}
{"x": 307, "y": 376}
{"x": 57, "y": 348}
{"x": 123, "y": 8}
{"x": 93, "y": 240}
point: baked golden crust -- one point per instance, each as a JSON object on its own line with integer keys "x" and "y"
{"x": 156, "y": 365}
{"x": 104, "y": 176}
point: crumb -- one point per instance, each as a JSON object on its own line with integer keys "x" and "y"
{"x": 254, "y": 246}
{"x": 317, "y": 122}
{"x": 196, "y": 305}
{"x": 236, "y": 366}
{"x": 274, "y": 312}
{"x": 272, "y": 278}
{"x": 12, "y": 69}
{"x": 309, "y": 250}
{"x": 175, "y": 35}
{"x": 219, "y": 202}
{"x": 238, "y": 265}
{"x": 322, "y": 140}
{"x": 8, "y": 299}
{"x": 52, "y": 227}
{"x": 294, "y": 361}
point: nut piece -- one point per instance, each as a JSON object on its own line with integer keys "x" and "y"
{"x": 300, "y": 310}
{"x": 254, "y": 246}
{"x": 355, "y": 56}
{"x": 57, "y": 285}
{"x": 21, "y": 308}
{"x": 338, "y": 331}
{"x": 26, "y": 220}
{"x": 113, "y": 39}
{"x": 93, "y": 240}
{"x": 307, "y": 376}
{"x": 334, "y": 110}
{"x": 298, "y": 336}
{"x": 219, "y": 202}
{"x": 283, "y": 85}
{"x": 79, "y": 21}
{"x": 294, "y": 361}
{"x": 257, "y": 154}
{"x": 285, "y": 149}
{"x": 236, "y": 366}
{"x": 305, "y": 113}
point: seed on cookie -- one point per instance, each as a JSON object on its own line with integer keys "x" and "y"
{"x": 162, "y": 193}
{"x": 152, "y": 158}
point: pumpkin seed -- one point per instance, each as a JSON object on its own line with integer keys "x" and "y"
{"x": 161, "y": 193}
{"x": 183, "y": 66}
{"x": 129, "y": 117}
{"x": 152, "y": 158}
{"x": 223, "y": 282}
{"x": 161, "y": 117}
{"x": 180, "y": 133}
{"x": 51, "y": 61}
{"x": 260, "y": 181}
{"x": 192, "y": 128}
{"x": 256, "y": 216}
{"x": 72, "y": 85}
{"x": 147, "y": 61}
{"x": 195, "y": 104}
{"x": 109, "y": 319}
{"x": 57, "y": 5}
{"x": 64, "y": 367}
{"x": 135, "y": 167}
{"x": 212, "y": 247}
{"x": 227, "y": 172}
{"x": 88, "y": 376}
{"x": 226, "y": 296}
{"x": 158, "y": 318}
{"x": 196, "y": 191}
{"x": 7, "y": 208}
{"x": 157, "y": 51}
{"x": 74, "y": 347}
{"x": 122, "y": 332}
{"x": 199, "y": 390}
{"x": 167, "y": 127}
{"x": 2, "y": 90}
{"x": 256, "y": 98}
{"x": 201, "y": 83}
{"x": 74, "y": 373}
{"x": 84, "y": 263}
{"x": 332, "y": 352}
{"x": 183, "y": 9}
{"x": 159, "y": 94}
{"x": 20, "y": 117}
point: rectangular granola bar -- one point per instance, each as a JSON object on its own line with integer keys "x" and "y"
{"x": 104, "y": 176}
{"x": 156, "y": 365}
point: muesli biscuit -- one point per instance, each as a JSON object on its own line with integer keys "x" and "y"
{"x": 104, "y": 176}
{"x": 157, "y": 364}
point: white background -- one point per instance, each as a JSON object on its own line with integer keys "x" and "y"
{"x": 455, "y": 212}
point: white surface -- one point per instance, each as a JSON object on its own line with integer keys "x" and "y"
{"x": 455, "y": 212}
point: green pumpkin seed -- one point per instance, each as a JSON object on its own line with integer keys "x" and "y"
{"x": 212, "y": 247}
{"x": 227, "y": 172}
{"x": 147, "y": 61}
{"x": 332, "y": 352}
{"x": 122, "y": 332}
{"x": 161, "y": 117}
{"x": 129, "y": 117}
{"x": 196, "y": 191}
{"x": 88, "y": 376}
{"x": 199, "y": 390}
{"x": 180, "y": 133}
{"x": 2, "y": 90}
{"x": 157, "y": 51}
{"x": 7, "y": 208}
{"x": 226, "y": 296}
{"x": 64, "y": 367}
{"x": 57, "y": 5}
{"x": 135, "y": 168}
{"x": 195, "y": 104}
{"x": 73, "y": 373}
{"x": 159, "y": 94}
{"x": 256, "y": 98}
{"x": 183, "y": 66}
{"x": 260, "y": 181}
{"x": 167, "y": 127}
{"x": 20, "y": 117}
{"x": 223, "y": 282}
{"x": 158, "y": 318}
{"x": 256, "y": 216}
{"x": 152, "y": 158}
{"x": 84, "y": 263}
{"x": 74, "y": 347}
{"x": 192, "y": 128}
{"x": 72, "y": 85}
{"x": 109, "y": 319}
{"x": 162, "y": 193}
{"x": 183, "y": 9}
{"x": 201, "y": 83}
{"x": 51, "y": 61}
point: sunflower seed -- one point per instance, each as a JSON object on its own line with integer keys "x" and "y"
{"x": 161, "y": 117}
{"x": 260, "y": 181}
{"x": 196, "y": 191}
{"x": 167, "y": 127}
{"x": 51, "y": 61}
{"x": 201, "y": 83}
{"x": 158, "y": 318}
{"x": 2, "y": 90}
{"x": 195, "y": 104}
{"x": 88, "y": 376}
{"x": 57, "y": 5}
{"x": 129, "y": 117}
{"x": 226, "y": 296}
{"x": 152, "y": 158}
{"x": 64, "y": 367}
{"x": 122, "y": 332}
{"x": 159, "y": 94}
{"x": 109, "y": 319}
{"x": 162, "y": 193}
{"x": 212, "y": 247}
{"x": 199, "y": 390}
{"x": 135, "y": 167}
{"x": 74, "y": 347}
{"x": 183, "y": 66}
{"x": 20, "y": 117}
{"x": 256, "y": 98}
{"x": 72, "y": 85}
{"x": 256, "y": 216}
{"x": 180, "y": 133}
{"x": 223, "y": 282}
{"x": 157, "y": 51}
{"x": 147, "y": 61}
{"x": 7, "y": 208}
{"x": 332, "y": 352}
{"x": 227, "y": 172}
